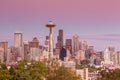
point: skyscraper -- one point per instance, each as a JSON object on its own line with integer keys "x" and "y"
{"x": 1, "y": 54}
{"x": 18, "y": 40}
{"x": 75, "y": 43}
{"x": 118, "y": 58}
{"x": 34, "y": 49}
{"x": 62, "y": 54}
{"x": 26, "y": 50}
{"x": 112, "y": 53}
{"x": 107, "y": 56}
{"x": 84, "y": 45}
{"x": 34, "y": 43}
{"x": 69, "y": 45}
{"x": 59, "y": 43}
{"x": 46, "y": 54}
{"x": 4, "y": 45}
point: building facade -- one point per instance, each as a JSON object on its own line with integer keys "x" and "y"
{"x": 75, "y": 43}
{"x": 18, "y": 39}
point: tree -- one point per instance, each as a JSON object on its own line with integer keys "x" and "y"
{"x": 90, "y": 68}
{"x": 62, "y": 73}
{"x": 110, "y": 74}
{"x": 31, "y": 70}
{"x": 57, "y": 72}
{"x": 14, "y": 75}
{"x": 4, "y": 73}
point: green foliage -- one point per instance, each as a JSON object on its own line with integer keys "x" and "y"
{"x": 110, "y": 75}
{"x": 4, "y": 73}
{"x": 90, "y": 68}
{"x": 56, "y": 72}
{"x": 3, "y": 66}
{"x": 14, "y": 75}
{"x": 32, "y": 70}
{"x": 62, "y": 73}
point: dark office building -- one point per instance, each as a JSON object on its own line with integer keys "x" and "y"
{"x": 62, "y": 54}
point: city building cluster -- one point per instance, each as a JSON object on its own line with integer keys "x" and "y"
{"x": 69, "y": 51}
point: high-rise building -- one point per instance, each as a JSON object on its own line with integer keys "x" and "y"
{"x": 118, "y": 59}
{"x": 84, "y": 45}
{"x": 112, "y": 53}
{"x": 34, "y": 49}
{"x": 68, "y": 54}
{"x": 1, "y": 54}
{"x": 8, "y": 55}
{"x": 75, "y": 43}
{"x": 69, "y": 44}
{"x": 20, "y": 53}
{"x": 26, "y": 50}
{"x": 62, "y": 53}
{"x": 91, "y": 49}
{"x": 59, "y": 43}
{"x": 18, "y": 40}
{"x": 80, "y": 45}
{"x": 34, "y": 43}
{"x": 46, "y": 50}
{"x": 107, "y": 57}
{"x": 80, "y": 55}
{"x": 47, "y": 43}
{"x": 13, "y": 54}
{"x": 115, "y": 59}
{"x": 4, "y": 45}
{"x": 92, "y": 58}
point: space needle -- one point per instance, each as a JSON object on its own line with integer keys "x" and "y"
{"x": 50, "y": 25}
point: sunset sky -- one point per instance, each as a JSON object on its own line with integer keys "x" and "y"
{"x": 97, "y": 21}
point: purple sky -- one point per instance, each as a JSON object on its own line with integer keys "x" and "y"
{"x": 97, "y": 21}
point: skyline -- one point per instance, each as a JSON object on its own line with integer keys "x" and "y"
{"x": 95, "y": 21}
